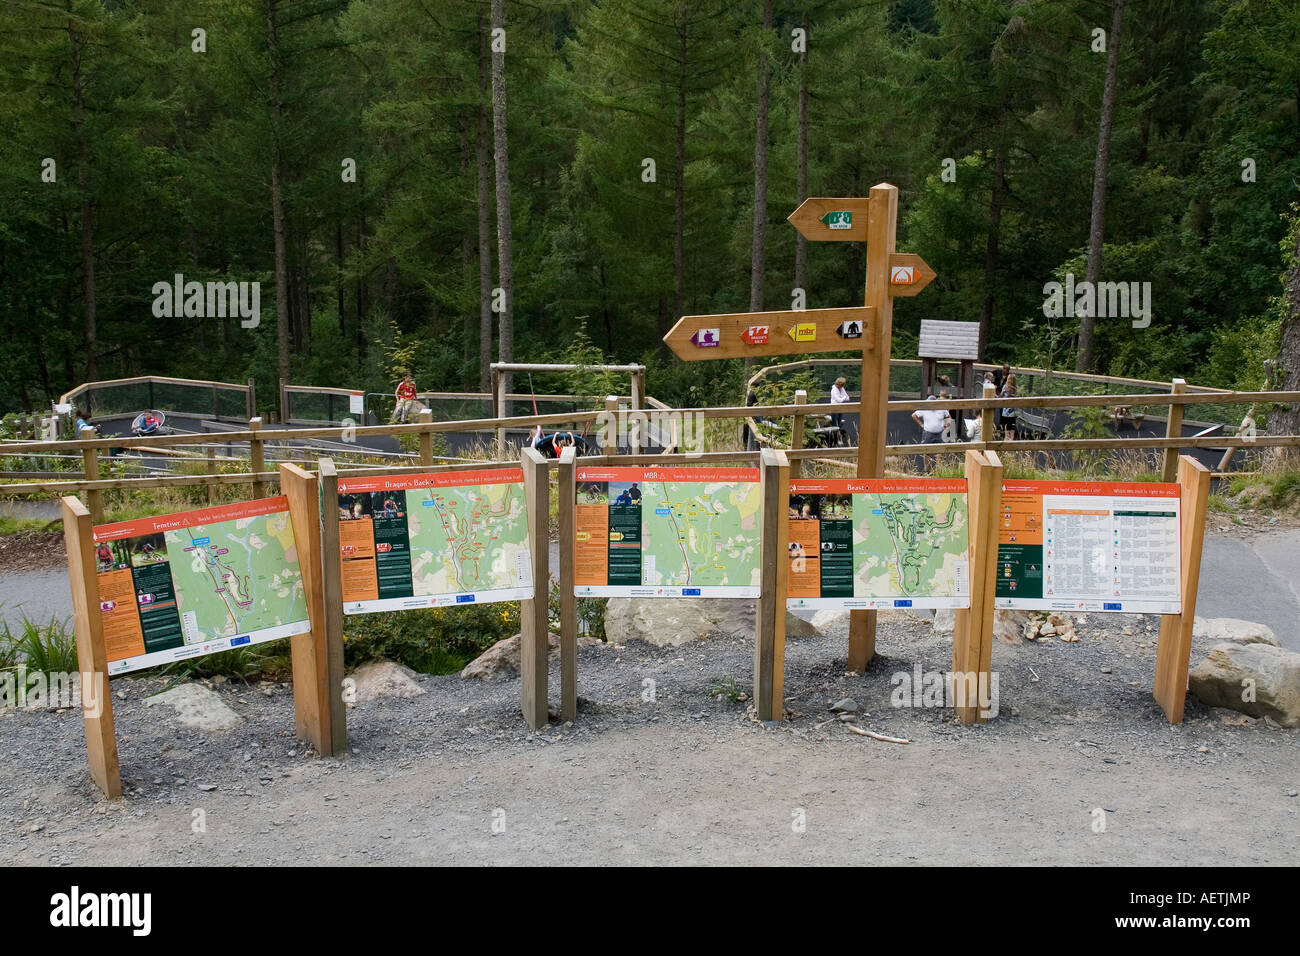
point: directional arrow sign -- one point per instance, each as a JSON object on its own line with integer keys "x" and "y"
{"x": 908, "y": 274}
{"x": 759, "y": 334}
{"x": 832, "y": 220}
{"x": 849, "y": 330}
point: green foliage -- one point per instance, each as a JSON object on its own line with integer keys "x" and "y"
{"x": 49, "y": 648}
{"x": 431, "y": 640}
{"x": 726, "y": 688}
{"x": 269, "y": 661}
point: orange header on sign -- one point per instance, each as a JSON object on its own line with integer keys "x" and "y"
{"x": 1117, "y": 489}
{"x": 437, "y": 479}
{"x": 878, "y": 486}
{"x": 651, "y": 473}
{"x": 188, "y": 519}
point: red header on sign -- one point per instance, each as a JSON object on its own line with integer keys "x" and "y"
{"x": 666, "y": 474}
{"x": 188, "y": 519}
{"x": 878, "y": 486}
{"x": 1114, "y": 489}
{"x": 438, "y": 479}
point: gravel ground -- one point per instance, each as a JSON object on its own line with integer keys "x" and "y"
{"x": 687, "y": 778}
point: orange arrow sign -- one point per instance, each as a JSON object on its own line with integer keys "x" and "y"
{"x": 758, "y": 334}
{"x": 908, "y": 274}
{"x": 831, "y": 220}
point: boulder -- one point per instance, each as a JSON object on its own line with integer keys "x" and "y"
{"x": 831, "y": 621}
{"x": 197, "y": 707}
{"x": 1225, "y": 629}
{"x": 672, "y": 623}
{"x": 945, "y": 620}
{"x": 502, "y": 658}
{"x": 377, "y": 679}
{"x": 1267, "y": 676}
{"x": 1010, "y": 626}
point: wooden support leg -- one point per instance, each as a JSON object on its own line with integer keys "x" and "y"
{"x": 96, "y": 701}
{"x": 769, "y": 641}
{"x": 1174, "y": 650}
{"x": 567, "y": 492}
{"x": 534, "y": 631}
{"x": 972, "y": 639}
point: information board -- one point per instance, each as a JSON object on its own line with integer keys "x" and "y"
{"x": 667, "y": 532}
{"x": 184, "y": 585}
{"x": 878, "y": 543}
{"x": 1089, "y": 546}
{"x": 433, "y": 539}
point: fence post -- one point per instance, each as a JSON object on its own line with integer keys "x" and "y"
{"x": 567, "y": 492}
{"x": 90, "y": 464}
{"x": 1175, "y": 641}
{"x": 534, "y": 617}
{"x": 250, "y": 399}
{"x": 611, "y": 423}
{"x": 972, "y": 635}
{"x": 499, "y": 398}
{"x": 796, "y": 434}
{"x": 774, "y": 533}
{"x": 1174, "y": 429}
{"x": 101, "y": 741}
{"x": 257, "y": 457}
{"x": 212, "y": 470}
{"x": 284, "y": 404}
{"x": 986, "y": 416}
{"x": 426, "y": 438}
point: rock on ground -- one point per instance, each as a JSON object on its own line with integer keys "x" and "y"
{"x": 945, "y": 620}
{"x": 674, "y": 623}
{"x": 502, "y": 658}
{"x": 1221, "y": 629}
{"x": 197, "y": 707}
{"x": 377, "y": 679}
{"x": 1223, "y": 679}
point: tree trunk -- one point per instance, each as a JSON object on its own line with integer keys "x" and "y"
{"x": 991, "y": 254}
{"x": 1285, "y": 420}
{"x": 501, "y": 157}
{"x": 277, "y": 202}
{"x": 758, "y": 244}
{"x": 801, "y": 163}
{"x": 679, "y": 196}
{"x": 1086, "y": 360}
{"x": 87, "y": 222}
{"x": 484, "y": 217}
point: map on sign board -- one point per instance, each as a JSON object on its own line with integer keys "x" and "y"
{"x": 1090, "y": 546}
{"x": 878, "y": 543}
{"x": 198, "y": 582}
{"x": 434, "y": 539}
{"x": 667, "y": 532}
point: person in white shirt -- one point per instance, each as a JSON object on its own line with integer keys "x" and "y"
{"x": 933, "y": 422}
{"x": 839, "y": 396}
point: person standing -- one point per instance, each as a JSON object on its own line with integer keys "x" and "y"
{"x": 840, "y": 396}
{"x": 933, "y": 421}
{"x": 1008, "y": 415}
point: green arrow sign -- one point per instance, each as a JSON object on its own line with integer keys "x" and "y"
{"x": 838, "y": 219}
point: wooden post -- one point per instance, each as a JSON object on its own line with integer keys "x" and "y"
{"x": 987, "y": 418}
{"x": 769, "y": 617}
{"x": 1174, "y": 429}
{"x": 90, "y": 465}
{"x": 534, "y": 631}
{"x": 96, "y": 700}
{"x": 567, "y": 491}
{"x": 212, "y": 470}
{"x": 331, "y": 603}
{"x": 972, "y": 638}
{"x": 250, "y": 398}
{"x": 426, "y": 438}
{"x": 284, "y": 403}
{"x": 882, "y": 219}
{"x": 257, "y": 458}
{"x": 796, "y": 433}
{"x": 1175, "y": 642}
{"x": 499, "y": 391}
{"x": 611, "y": 423}
{"x": 318, "y": 707}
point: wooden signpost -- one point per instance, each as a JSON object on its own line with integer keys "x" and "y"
{"x": 890, "y": 274}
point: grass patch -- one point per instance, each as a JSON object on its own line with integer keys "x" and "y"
{"x": 45, "y": 648}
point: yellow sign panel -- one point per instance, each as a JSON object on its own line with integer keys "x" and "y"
{"x": 804, "y": 332}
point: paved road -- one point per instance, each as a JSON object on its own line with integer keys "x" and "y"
{"x": 1254, "y": 579}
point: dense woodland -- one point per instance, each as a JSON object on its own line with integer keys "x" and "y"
{"x": 608, "y": 166}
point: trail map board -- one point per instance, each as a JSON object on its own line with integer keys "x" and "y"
{"x": 667, "y": 532}
{"x": 433, "y": 539}
{"x": 878, "y": 543}
{"x": 1089, "y": 546}
{"x": 198, "y": 582}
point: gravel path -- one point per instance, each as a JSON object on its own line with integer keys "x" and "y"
{"x": 687, "y": 778}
